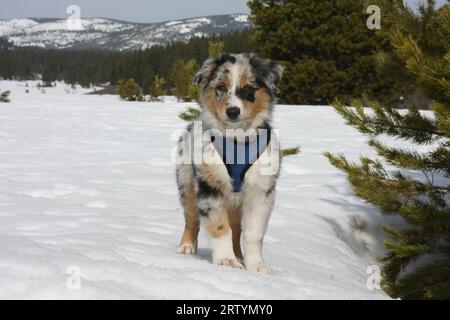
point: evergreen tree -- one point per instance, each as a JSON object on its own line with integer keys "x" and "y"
{"x": 390, "y": 65}
{"x": 325, "y": 46}
{"x": 215, "y": 48}
{"x": 129, "y": 90}
{"x": 193, "y": 92}
{"x": 156, "y": 89}
{"x": 182, "y": 77}
{"x": 417, "y": 263}
{"x": 5, "y": 43}
{"x": 47, "y": 77}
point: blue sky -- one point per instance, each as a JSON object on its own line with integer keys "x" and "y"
{"x": 129, "y": 10}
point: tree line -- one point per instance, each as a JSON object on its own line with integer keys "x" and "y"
{"x": 95, "y": 67}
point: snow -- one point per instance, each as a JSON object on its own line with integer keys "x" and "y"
{"x": 87, "y": 184}
{"x": 241, "y": 18}
{"x": 173, "y": 23}
{"x": 10, "y": 26}
{"x": 31, "y": 26}
{"x": 26, "y": 32}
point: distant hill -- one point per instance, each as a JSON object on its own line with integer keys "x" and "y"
{"x": 111, "y": 34}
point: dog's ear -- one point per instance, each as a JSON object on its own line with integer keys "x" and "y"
{"x": 267, "y": 72}
{"x": 204, "y": 75}
{"x": 210, "y": 67}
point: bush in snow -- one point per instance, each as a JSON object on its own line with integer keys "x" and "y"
{"x": 4, "y": 96}
{"x": 190, "y": 114}
{"x": 129, "y": 90}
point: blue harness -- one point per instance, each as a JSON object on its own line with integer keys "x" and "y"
{"x": 239, "y": 157}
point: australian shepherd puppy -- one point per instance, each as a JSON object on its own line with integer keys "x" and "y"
{"x": 229, "y": 160}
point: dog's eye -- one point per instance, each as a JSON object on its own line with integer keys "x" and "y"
{"x": 246, "y": 93}
{"x": 250, "y": 89}
{"x": 221, "y": 88}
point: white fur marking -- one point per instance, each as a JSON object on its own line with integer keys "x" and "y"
{"x": 223, "y": 254}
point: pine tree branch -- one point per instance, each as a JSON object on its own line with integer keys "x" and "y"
{"x": 442, "y": 113}
{"x": 370, "y": 181}
{"x": 431, "y": 281}
{"x": 412, "y": 125}
{"x": 437, "y": 160}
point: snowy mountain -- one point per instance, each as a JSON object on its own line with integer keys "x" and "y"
{"x": 113, "y": 34}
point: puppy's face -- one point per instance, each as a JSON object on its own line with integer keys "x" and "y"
{"x": 238, "y": 90}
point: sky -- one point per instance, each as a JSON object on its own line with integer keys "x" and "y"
{"x": 128, "y": 10}
{"x": 414, "y": 2}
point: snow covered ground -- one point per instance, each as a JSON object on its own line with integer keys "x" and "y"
{"x": 87, "y": 185}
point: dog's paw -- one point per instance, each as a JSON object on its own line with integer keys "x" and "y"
{"x": 229, "y": 262}
{"x": 258, "y": 266}
{"x": 187, "y": 249}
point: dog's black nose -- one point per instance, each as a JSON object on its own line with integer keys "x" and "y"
{"x": 233, "y": 113}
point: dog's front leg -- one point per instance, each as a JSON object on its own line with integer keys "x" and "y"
{"x": 215, "y": 219}
{"x": 255, "y": 217}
